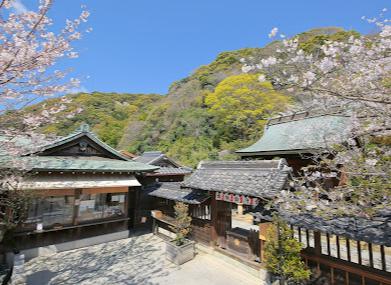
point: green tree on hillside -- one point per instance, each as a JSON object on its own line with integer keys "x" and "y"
{"x": 190, "y": 150}
{"x": 241, "y": 104}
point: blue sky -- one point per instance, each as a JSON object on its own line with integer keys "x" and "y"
{"x": 142, "y": 46}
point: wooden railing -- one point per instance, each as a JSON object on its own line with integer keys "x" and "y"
{"x": 384, "y": 278}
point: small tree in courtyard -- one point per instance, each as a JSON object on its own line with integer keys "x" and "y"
{"x": 182, "y": 222}
{"x": 282, "y": 254}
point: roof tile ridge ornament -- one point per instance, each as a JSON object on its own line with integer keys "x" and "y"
{"x": 84, "y": 128}
{"x": 199, "y": 165}
{"x": 282, "y": 164}
{"x": 304, "y": 114}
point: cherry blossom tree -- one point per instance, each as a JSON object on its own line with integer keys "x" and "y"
{"x": 351, "y": 76}
{"x": 29, "y": 50}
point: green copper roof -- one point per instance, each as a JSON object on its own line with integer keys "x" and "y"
{"x": 284, "y": 135}
{"x": 66, "y": 163}
{"x": 33, "y": 157}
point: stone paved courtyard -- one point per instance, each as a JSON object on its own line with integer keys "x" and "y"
{"x": 137, "y": 260}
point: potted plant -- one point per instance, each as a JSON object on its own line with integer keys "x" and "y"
{"x": 180, "y": 249}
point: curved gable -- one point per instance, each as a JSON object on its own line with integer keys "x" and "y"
{"x": 81, "y": 143}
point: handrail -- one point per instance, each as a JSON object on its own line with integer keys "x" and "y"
{"x": 381, "y": 276}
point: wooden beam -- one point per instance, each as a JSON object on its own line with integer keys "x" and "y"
{"x": 53, "y": 192}
{"x": 105, "y": 190}
{"x": 307, "y": 236}
{"x": 348, "y": 249}
{"x": 359, "y": 252}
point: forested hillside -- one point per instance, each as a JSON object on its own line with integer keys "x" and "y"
{"x": 206, "y": 115}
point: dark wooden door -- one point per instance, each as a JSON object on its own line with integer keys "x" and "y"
{"x": 224, "y": 222}
{"x": 254, "y": 243}
{"x": 131, "y": 204}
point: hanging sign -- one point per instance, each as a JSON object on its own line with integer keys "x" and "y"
{"x": 238, "y": 199}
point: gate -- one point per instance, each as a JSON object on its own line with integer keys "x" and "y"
{"x": 224, "y": 222}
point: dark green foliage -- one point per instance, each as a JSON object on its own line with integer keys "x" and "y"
{"x": 282, "y": 254}
{"x": 310, "y": 43}
{"x": 226, "y": 63}
{"x": 107, "y": 113}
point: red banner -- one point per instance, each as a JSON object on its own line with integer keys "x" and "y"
{"x": 238, "y": 199}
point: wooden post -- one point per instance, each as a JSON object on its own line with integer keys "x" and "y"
{"x": 359, "y": 252}
{"x": 370, "y": 254}
{"x": 213, "y": 219}
{"x": 240, "y": 209}
{"x": 348, "y": 249}
{"x": 347, "y": 278}
{"x": 76, "y": 207}
{"x": 154, "y": 227}
{"x": 318, "y": 242}
{"x": 299, "y": 232}
{"x": 328, "y": 244}
{"x": 383, "y": 258}
{"x": 338, "y": 248}
{"x": 332, "y": 275}
{"x": 307, "y": 235}
{"x": 262, "y": 250}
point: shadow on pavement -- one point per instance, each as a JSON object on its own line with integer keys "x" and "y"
{"x": 131, "y": 261}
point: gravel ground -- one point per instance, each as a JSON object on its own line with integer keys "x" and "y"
{"x": 136, "y": 260}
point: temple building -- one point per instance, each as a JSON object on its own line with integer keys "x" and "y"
{"x": 342, "y": 249}
{"x": 221, "y": 194}
{"x": 298, "y": 137}
{"x": 80, "y": 188}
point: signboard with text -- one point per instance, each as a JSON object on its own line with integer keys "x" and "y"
{"x": 238, "y": 199}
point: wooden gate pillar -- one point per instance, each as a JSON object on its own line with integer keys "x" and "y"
{"x": 213, "y": 217}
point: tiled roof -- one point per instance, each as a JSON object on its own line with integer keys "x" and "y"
{"x": 173, "y": 171}
{"x": 258, "y": 178}
{"x": 160, "y": 159}
{"x": 376, "y": 230}
{"x": 149, "y": 156}
{"x": 33, "y": 159}
{"x": 173, "y": 191}
{"x": 69, "y": 163}
{"x": 300, "y": 133}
